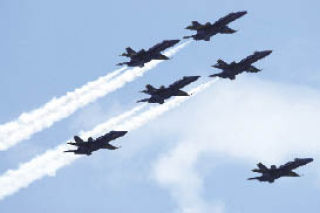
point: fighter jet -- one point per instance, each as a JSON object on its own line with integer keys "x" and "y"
{"x": 163, "y": 93}
{"x": 234, "y": 68}
{"x": 204, "y": 32}
{"x": 269, "y": 175}
{"x": 138, "y": 59}
{"x": 95, "y": 144}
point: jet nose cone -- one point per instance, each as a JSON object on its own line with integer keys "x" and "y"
{"x": 122, "y": 132}
{"x": 304, "y": 160}
{"x": 308, "y": 160}
{"x": 191, "y": 78}
{"x": 196, "y": 77}
{"x": 266, "y": 52}
{"x": 242, "y": 13}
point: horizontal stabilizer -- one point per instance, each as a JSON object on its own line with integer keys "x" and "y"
{"x": 74, "y": 144}
{"x": 253, "y": 178}
{"x": 70, "y": 151}
{"x": 143, "y": 100}
{"x": 214, "y": 75}
{"x": 123, "y": 63}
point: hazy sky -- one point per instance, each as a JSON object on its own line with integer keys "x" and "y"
{"x": 193, "y": 159}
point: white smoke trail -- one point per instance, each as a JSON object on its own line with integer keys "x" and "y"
{"x": 35, "y": 121}
{"x": 29, "y": 123}
{"x": 52, "y": 160}
{"x": 48, "y": 163}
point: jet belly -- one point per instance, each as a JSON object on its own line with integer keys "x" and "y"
{"x": 169, "y": 93}
{"x": 157, "y": 99}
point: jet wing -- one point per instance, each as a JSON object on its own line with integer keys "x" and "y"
{"x": 183, "y": 82}
{"x": 292, "y": 174}
{"x": 230, "y": 18}
{"x": 109, "y": 146}
{"x": 162, "y": 46}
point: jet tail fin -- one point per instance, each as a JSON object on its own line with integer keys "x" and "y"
{"x": 130, "y": 51}
{"x": 221, "y": 64}
{"x": 77, "y": 139}
{"x": 149, "y": 87}
{"x": 194, "y": 26}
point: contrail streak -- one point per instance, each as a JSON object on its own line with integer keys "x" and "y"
{"x": 55, "y": 110}
{"x": 52, "y": 160}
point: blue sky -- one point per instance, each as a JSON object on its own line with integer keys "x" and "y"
{"x": 172, "y": 164}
